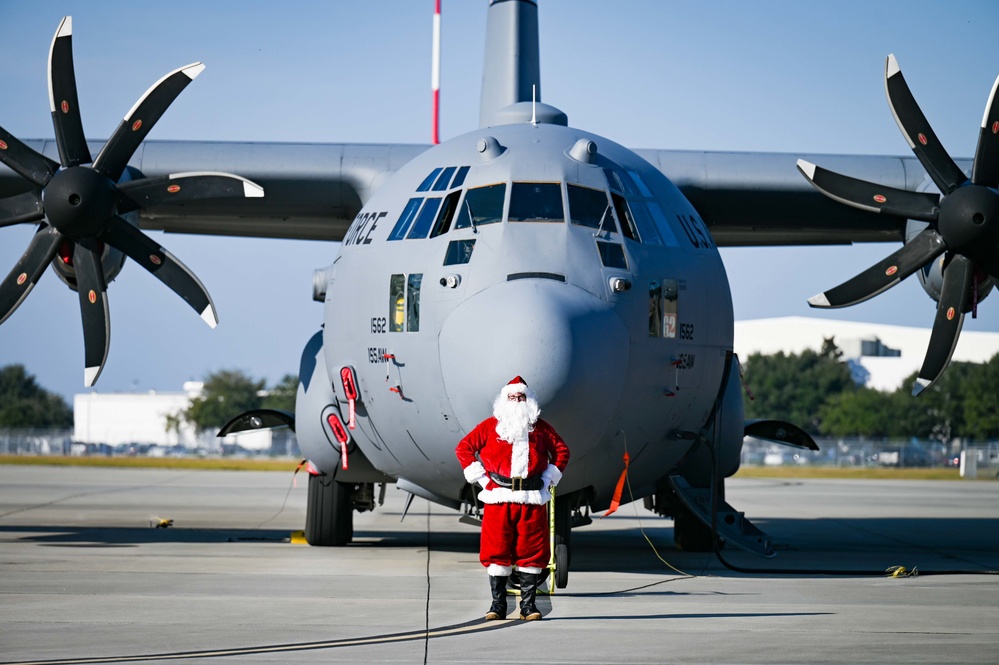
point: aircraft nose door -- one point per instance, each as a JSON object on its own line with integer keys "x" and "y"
{"x": 569, "y": 346}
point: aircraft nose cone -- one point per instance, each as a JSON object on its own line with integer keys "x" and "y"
{"x": 570, "y": 347}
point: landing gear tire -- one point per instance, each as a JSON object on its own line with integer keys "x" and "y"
{"x": 329, "y": 515}
{"x": 689, "y": 533}
{"x": 563, "y": 541}
{"x": 561, "y": 566}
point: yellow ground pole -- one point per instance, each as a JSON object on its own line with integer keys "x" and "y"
{"x": 550, "y": 591}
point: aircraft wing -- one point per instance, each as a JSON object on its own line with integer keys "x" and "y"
{"x": 313, "y": 191}
{"x": 756, "y": 199}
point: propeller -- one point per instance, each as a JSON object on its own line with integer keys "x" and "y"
{"x": 78, "y": 202}
{"x": 962, "y": 222}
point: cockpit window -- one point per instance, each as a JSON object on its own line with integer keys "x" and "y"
{"x": 536, "y": 202}
{"x": 459, "y": 177}
{"x": 429, "y": 180}
{"x": 641, "y": 184}
{"x": 628, "y": 226}
{"x": 619, "y": 183}
{"x": 426, "y": 217}
{"x": 459, "y": 252}
{"x": 446, "y": 215}
{"x": 482, "y": 205}
{"x": 642, "y": 218}
{"x": 590, "y": 207}
{"x": 612, "y": 255}
{"x": 669, "y": 238}
{"x": 444, "y": 180}
{"x": 405, "y": 219}
{"x": 646, "y": 225}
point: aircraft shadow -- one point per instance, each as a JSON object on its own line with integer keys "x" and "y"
{"x": 810, "y": 546}
{"x": 806, "y": 546}
{"x": 76, "y": 536}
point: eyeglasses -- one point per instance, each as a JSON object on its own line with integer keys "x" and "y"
{"x": 517, "y": 397}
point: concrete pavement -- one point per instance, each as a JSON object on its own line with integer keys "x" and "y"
{"x": 84, "y": 578}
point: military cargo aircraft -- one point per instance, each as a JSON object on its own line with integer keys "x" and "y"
{"x": 526, "y": 246}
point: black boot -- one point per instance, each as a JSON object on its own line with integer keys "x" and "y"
{"x": 528, "y": 588}
{"x": 497, "y": 610}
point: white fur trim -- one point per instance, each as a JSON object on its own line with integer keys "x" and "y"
{"x": 518, "y": 388}
{"x": 496, "y": 570}
{"x": 519, "y": 458}
{"x": 551, "y": 475}
{"x": 512, "y": 388}
{"x": 474, "y": 471}
{"x": 506, "y": 495}
{"x": 530, "y": 570}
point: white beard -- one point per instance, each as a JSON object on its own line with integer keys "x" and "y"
{"x": 515, "y": 419}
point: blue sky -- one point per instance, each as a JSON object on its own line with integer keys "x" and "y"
{"x": 731, "y": 75}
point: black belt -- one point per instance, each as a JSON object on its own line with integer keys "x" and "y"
{"x": 517, "y": 484}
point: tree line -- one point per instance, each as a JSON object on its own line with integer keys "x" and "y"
{"x": 26, "y": 405}
{"x": 226, "y": 394}
{"x": 816, "y": 391}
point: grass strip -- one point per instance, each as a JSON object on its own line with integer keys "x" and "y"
{"x": 289, "y": 464}
{"x": 866, "y": 473}
{"x": 206, "y": 463}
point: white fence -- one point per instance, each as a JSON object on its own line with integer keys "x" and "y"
{"x": 867, "y": 453}
{"x": 60, "y": 442}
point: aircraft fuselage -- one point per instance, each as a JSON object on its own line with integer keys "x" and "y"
{"x": 537, "y": 250}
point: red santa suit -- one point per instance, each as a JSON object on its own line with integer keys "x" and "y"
{"x": 515, "y": 520}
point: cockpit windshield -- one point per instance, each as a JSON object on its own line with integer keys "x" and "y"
{"x": 481, "y": 205}
{"x": 536, "y": 202}
{"x": 591, "y": 207}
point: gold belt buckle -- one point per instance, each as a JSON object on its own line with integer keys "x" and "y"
{"x": 516, "y": 484}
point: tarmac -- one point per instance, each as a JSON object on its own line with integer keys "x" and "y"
{"x": 87, "y": 577}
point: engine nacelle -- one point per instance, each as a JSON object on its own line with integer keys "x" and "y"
{"x": 112, "y": 261}
{"x": 726, "y": 433}
{"x": 931, "y": 276}
{"x": 321, "y": 422}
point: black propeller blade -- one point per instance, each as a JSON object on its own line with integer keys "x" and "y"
{"x": 118, "y": 150}
{"x": 869, "y": 196}
{"x": 163, "y": 265}
{"x": 63, "y": 101}
{"x": 25, "y": 207}
{"x": 986, "y": 167}
{"x": 963, "y": 221}
{"x": 180, "y": 187}
{"x": 16, "y": 286}
{"x": 918, "y": 133}
{"x": 24, "y": 161}
{"x": 92, "y": 289}
{"x": 954, "y": 297}
{"x": 80, "y": 206}
{"x": 885, "y": 274}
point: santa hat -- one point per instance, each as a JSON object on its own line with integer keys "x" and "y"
{"x": 517, "y": 385}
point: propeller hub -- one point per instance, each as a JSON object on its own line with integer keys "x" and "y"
{"x": 78, "y": 202}
{"x": 969, "y": 220}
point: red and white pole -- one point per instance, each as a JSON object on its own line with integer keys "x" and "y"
{"x": 435, "y": 77}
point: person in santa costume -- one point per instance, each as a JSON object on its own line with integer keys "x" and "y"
{"x": 517, "y": 458}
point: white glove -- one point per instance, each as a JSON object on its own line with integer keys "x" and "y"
{"x": 551, "y": 476}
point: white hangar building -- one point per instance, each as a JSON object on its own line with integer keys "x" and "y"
{"x": 889, "y": 354}
{"x": 141, "y": 418}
